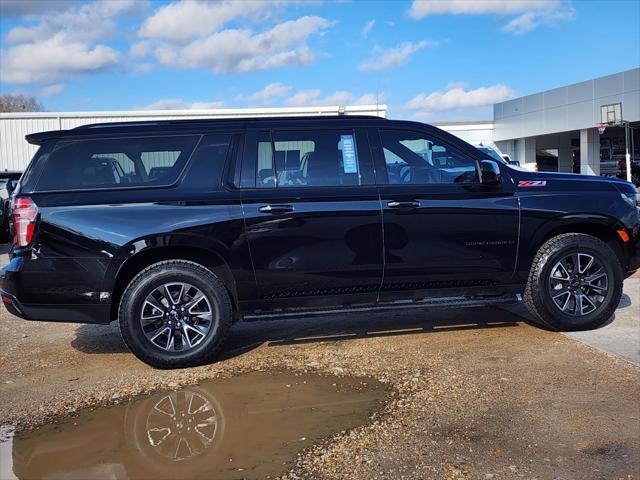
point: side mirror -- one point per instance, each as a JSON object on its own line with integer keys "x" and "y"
{"x": 489, "y": 172}
{"x": 514, "y": 162}
{"x": 11, "y": 186}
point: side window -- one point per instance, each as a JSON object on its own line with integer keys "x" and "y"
{"x": 308, "y": 158}
{"x": 208, "y": 162}
{"x": 414, "y": 158}
{"x": 116, "y": 162}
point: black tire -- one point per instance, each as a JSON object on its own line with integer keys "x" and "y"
{"x": 538, "y": 292}
{"x": 155, "y": 276}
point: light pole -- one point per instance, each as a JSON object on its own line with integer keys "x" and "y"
{"x": 627, "y": 153}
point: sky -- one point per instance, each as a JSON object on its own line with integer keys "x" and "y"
{"x": 428, "y": 60}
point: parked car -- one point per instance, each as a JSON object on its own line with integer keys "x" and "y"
{"x": 635, "y": 171}
{"x": 177, "y": 229}
{"x": 8, "y": 182}
{"x": 492, "y": 152}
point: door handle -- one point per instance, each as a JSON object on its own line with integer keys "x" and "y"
{"x": 276, "y": 209}
{"x": 407, "y": 204}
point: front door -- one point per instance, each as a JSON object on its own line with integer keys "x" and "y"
{"x": 312, "y": 216}
{"x": 442, "y": 228}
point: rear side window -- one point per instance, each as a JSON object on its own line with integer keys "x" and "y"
{"x": 116, "y": 162}
{"x": 307, "y": 158}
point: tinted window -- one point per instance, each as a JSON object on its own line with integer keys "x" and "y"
{"x": 414, "y": 158}
{"x": 309, "y": 158}
{"x": 116, "y": 162}
{"x": 492, "y": 153}
{"x": 207, "y": 162}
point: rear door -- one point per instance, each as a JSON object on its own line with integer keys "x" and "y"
{"x": 312, "y": 215}
{"x": 442, "y": 228}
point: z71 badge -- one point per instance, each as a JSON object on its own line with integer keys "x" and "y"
{"x": 532, "y": 183}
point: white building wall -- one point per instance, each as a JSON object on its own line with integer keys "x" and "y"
{"x": 15, "y": 152}
{"x": 573, "y": 107}
{"x": 471, "y": 132}
{"x": 589, "y": 152}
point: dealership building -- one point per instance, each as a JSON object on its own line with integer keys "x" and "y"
{"x": 555, "y": 130}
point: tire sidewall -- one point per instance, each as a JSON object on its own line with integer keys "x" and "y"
{"x": 131, "y": 306}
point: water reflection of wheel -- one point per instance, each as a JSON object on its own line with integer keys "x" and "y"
{"x": 174, "y": 430}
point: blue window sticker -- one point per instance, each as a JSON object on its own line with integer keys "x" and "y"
{"x": 349, "y": 163}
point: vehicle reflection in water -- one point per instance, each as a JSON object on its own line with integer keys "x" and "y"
{"x": 250, "y": 426}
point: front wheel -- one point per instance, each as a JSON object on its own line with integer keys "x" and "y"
{"x": 175, "y": 314}
{"x": 575, "y": 283}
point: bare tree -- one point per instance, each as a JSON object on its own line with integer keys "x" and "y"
{"x": 17, "y": 102}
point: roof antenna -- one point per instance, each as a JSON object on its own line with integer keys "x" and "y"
{"x": 341, "y": 110}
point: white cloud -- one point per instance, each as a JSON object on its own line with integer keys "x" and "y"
{"x": 185, "y": 20}
{"x": 452, "y": 85}
{"x": 313, "y": 97}
{"x": 22, "y": 8}
{"x": 241, "y": 51}
{"x": 140, "y": 50}
{"x": 52, "y": 90}
{"x": 89, "y": 22}
{"x": 303, "y": 98}
{"x": 366, "y": 30}
{"x": 386, "y": 58}
{"x": 64, "y": 44}
{"x": 422, "y": 8}
{"x": 457, "y": 97}
{"x": 180, "y": 104}
{"x": 529, "y": 21}
{"x": 530, "y": 13}
{"x": 52, "y": 59}
{"x": 265, "y": 96}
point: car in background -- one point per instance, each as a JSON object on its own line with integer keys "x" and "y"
{"x": 8, "y": 182}
{"x": 496, "y": 155}
{"x": 635, "y": 169}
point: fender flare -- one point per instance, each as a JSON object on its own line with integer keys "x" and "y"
{"x": 207, "y": 251}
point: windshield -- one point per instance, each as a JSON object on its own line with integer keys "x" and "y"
{"x": 492, "y": 153}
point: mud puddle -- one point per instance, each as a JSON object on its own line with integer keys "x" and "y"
{"x": 251, "y": 426}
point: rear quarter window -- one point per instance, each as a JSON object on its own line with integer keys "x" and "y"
{"x": 116, "y": 162}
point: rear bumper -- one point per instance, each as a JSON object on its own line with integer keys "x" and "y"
{"x": 76, "y": 313}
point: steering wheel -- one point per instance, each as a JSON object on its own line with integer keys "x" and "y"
{"x": 406, "y": 174}
{"x": 117, "y": 168}
{"x": 420, "y": 175}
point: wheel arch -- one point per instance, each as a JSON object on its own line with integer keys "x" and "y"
{"x": 149, "y": 256}
{"x": 599, "y": 226}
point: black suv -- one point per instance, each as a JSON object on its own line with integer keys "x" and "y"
{"x": 179, "y": 228}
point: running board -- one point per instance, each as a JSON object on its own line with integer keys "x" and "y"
{"x": 443, "y": 302}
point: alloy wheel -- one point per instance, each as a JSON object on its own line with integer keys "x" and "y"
{"x": 578, "y": 284}
{"x": 177, "y": 316}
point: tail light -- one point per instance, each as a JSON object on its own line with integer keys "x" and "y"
{"x": 25, "y": 212}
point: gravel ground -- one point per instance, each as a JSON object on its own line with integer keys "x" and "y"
{"x": 473, "y": 393}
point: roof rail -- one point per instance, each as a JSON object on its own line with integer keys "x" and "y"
{"x": 196, "y": 121}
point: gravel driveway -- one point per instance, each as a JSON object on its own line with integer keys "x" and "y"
{"x": 475, "y": 393}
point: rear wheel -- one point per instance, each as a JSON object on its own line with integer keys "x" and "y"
{"x": 575, "y": 283}
{"x": 175, "y": 314}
